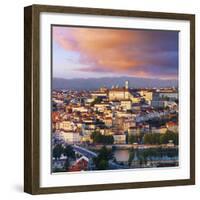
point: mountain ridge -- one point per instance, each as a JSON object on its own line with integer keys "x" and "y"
{"x": 95, "y": 83}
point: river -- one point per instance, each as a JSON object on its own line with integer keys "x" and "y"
{"x": 168, "y": 157}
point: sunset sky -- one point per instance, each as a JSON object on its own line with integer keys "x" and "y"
{"x": 97, "y": 52}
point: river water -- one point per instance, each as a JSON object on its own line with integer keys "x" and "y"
{"x": 123, "y": 156}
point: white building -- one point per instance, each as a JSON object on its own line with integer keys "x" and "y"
{"x": 100, "y": 94}
{"x": 70, "y": 137}
{"x": 119, "y": 139}
{"x": 66, "y": 125}
{"x": 126, "y": 104}
{"x": 171, "y": 95}
{"x": 128, "y": 123}
{"x": 120, "y": 93}
{"x": 80, "y": 109}
{"x": 101, "y": 106}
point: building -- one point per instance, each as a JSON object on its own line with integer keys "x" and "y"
{"x": 89, "y": 125}
{"x": 55, "y": 120}
{"x": 80, "y": 165}
{"x": 146, "y": 94}
{"x": 134, "y": 131}
{"x": 159, "y": 104}
{"x": 65, "y": 125}
{"x": 172, "y": 126}
{"x": 126, "y": 104}
{"x": 102, "y": 93}
{"x": 79, "y": 109}
{"x": 128, "y": 123}
{"x": 169, "y": 93}
{"x": 160, "y": 130}
{"x": 70, "y": 137}
{"x": 127, "y": 85}
{"x": 87, "y": 131}
{"x": 162, "y": 98}
{"x": 135, "y": 97}
{"x": 86, "y": 138}
{"x": 119, "y": 138}
{"x": 108, "y": 121}
{"x": 136, "y": 106}
{"x": 55, "y": 117}
{"x": 119, "y": 93}
{"x": 101, "y": 107}
{"x": 123, "y": 114}
{"x": 158, "y": 101}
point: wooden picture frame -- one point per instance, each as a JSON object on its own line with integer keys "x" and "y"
{"x": 32, "y": 105}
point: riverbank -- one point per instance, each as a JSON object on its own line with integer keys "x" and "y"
{"x": 131, "y": 146}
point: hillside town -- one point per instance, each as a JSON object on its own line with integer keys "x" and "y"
{"x": 114, "y": 128}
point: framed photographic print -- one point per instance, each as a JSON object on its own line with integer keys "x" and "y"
{"x": 109, "y": 99}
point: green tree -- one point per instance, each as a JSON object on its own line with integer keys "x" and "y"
{"x": 57, "y": 151}
{"x": 66, "y": 165}
{"x": 98, "y": 138}
{"x": 152, "y": 138}
{"x": 131, "y": 157}
{"x": 96, "y": 101}
{"x": 132, "y": 139}
{"x": 164, "y": 139}
{"x": 149, "y": 153}
{"x": 103, "y": 164}
{"x": 68, "y": 151}
{"x": 101, "y": 161}
{"x": 141, "y": 159}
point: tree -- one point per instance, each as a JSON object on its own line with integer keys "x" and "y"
{"x": 57, "y": 151}
{"x": 131, "y": 156}
{"x": 98, "y": 138}
{"x": 152, "y": 138}
{"x": 66, "y": 165}
{"x": 103, "y": 164}
{"x": 141, "y": 159}
{"x": 169, "y": 135}
{"x": 149, "y": 153}
{"x": 69, "y": 152}
{"x": 96, "y": 101}
{"x": 132, "y": 139}
{"x": 101, "y": 161}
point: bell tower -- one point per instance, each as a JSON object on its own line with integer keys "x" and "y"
{"x": 127, "y": 85}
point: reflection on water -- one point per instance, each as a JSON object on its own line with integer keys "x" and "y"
{"x": 146, "y": 158}
{"x": 121, "y": 155}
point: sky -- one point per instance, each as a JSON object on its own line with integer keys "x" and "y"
{"x": 83, "y": 52}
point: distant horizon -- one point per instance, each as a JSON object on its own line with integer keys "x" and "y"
{"x": 152, "y": 78}
{"x": 95, "y": 83}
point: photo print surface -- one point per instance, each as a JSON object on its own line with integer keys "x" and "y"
{"x": 114, "y": 99}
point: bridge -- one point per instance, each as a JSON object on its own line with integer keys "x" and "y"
{"x": 85, "y": 152}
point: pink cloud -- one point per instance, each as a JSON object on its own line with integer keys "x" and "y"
{"x": 110, "y": 50}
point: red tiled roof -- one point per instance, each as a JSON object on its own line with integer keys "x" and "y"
{"x": 82, "y": 164}
{"x": 171, "y": 123}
